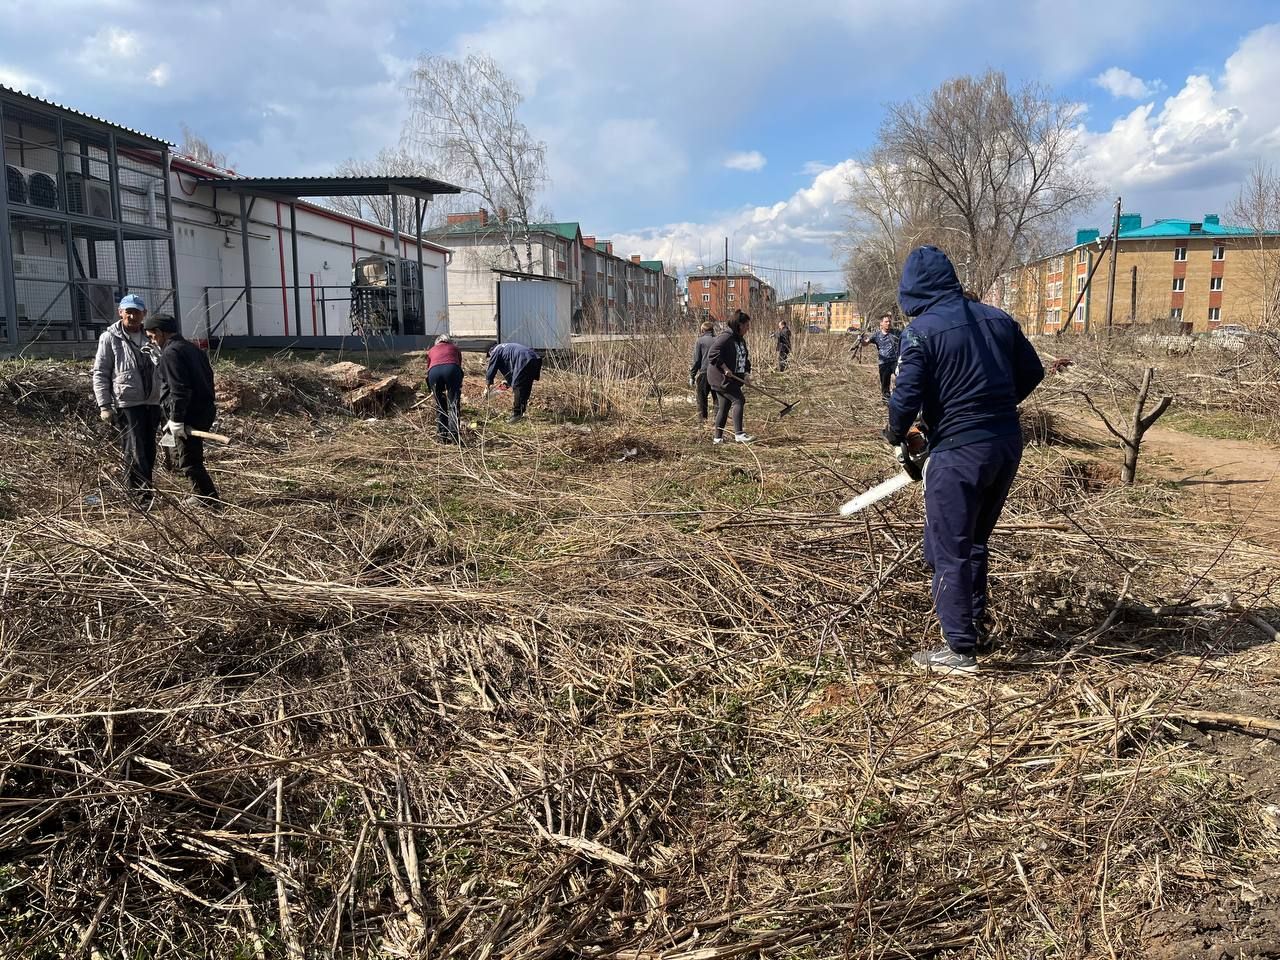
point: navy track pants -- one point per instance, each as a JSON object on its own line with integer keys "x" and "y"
{"x": 965, "y": 490}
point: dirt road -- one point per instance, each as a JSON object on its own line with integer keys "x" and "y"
{"x": 1238, "y": 478}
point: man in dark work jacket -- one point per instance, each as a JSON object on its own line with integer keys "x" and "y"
{"x": 963, "y": 369}
{"x": 186, "y": 400}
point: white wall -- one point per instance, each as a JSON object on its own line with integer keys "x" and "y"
{"x": 208, "y": 245}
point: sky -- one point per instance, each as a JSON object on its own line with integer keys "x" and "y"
{"x": 671, "y": 125}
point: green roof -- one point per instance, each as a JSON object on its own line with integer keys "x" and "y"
{"x": 654, "y": 265}
{"x": 569, "y": 230}
{"x": 818, "y": 298}
{"x": 1165, "y": 229}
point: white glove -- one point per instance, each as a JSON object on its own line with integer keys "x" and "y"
{"x": 485, "y": 395}
{"x": 177, "y": 429}
{"x": 105, "y": 414}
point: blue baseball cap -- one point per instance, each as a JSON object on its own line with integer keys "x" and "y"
{"x": 133, "y": 302}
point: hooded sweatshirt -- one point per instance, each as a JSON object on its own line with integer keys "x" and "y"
{"x": 728, "y": 351}
{"x": 964, "y": 367}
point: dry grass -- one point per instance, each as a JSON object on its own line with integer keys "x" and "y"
{"x": 543, "y": 696}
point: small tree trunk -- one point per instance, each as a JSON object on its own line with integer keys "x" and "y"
{"x": 1138, "y": 426}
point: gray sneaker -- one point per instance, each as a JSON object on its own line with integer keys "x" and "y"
{"x": 945, "y": 661}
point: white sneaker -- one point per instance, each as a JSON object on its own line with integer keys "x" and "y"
{"x": 717, "y": 439}
{"x": 743, "y": 438}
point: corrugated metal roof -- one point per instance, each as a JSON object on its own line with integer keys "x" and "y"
{"x": 569, "y": 231}
{"x": 374, "y": 186}
{"x": 654, "y": 265}
{"x": 21, "y": 95}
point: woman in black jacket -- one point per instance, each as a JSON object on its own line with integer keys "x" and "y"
{"x": 728, "y": 368}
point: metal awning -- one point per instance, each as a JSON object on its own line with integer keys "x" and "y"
{"x": 294, "y": 188}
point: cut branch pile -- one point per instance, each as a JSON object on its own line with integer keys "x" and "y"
{"x": 528, "y": 700}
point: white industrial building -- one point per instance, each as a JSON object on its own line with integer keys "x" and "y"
{"x": 91, "y": 210}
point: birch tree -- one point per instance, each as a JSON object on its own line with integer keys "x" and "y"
{"x": 465, "y": 115}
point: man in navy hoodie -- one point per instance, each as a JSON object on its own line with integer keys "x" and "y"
{"x": 963, "y": 369}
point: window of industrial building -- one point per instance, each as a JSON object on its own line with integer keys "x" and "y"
{"x": 1179, "y": 284}
{"x": 1175, "y": 313}
{"x": 732, "y": 282}
{"x": 1215, "y": 283}
{"x": 1215, "y": 314}
{"x": 732, "y": 298}
{"x": 706, "y": 298}
{"x": 1179, "y": 253}
{"x": 706, "y": 284}
{"x": 1219, "y": 252}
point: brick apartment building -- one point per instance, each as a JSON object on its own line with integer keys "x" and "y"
{"x": 830, "y": 312}
{"x": 610, "y": 293}
{"x": 1195, "y": 274}
{"x": 711, "y": 294}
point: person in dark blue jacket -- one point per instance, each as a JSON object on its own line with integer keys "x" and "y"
{"x": 520, "y": 366}
{"x": 963, "y": 369}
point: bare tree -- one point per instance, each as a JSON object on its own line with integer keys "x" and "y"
{"x": 975, "y": 168}
{"x": 393, "y": 162}
{"x": 197, "y": 147}
{"x": 465, "y": 115}
{"x": 872, "y": 278}
{"x": 1257, "y": 206}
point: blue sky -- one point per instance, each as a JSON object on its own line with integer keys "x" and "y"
{"x": 669, "y": 124}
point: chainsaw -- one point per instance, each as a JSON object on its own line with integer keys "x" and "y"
{"x": 912, "y": 454}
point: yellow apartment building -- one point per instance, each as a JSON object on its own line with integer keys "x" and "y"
{"x": 1196, "y": 274}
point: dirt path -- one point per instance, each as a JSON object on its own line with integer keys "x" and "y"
{"x": 1237, "y": 477}
{"x": 1237, "y": 480}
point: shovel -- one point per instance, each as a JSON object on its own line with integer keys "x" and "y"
{"x": 786, "y": 407}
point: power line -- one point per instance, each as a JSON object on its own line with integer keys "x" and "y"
{"x": 756, "y": 266}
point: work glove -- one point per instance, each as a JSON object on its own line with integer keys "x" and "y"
{"x": 485, "y": 393}
{"x": 105, "y": 415}
{"x": 891, "y": 438}
{"x": 177, "y": 429}
{"x": 691, "y": 379}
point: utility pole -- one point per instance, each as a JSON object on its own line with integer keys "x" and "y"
{"x": 807, "y": 285}
{"x": 1111, "y": 279}
{"x": 724, "y": 289}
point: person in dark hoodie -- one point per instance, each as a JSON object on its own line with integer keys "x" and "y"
{"x": 782, "y": 344}
{"x": 963, "y": 370}
{"x": 187, "y": 402}
{"x": 698, "y": 366}
{"x": 519, "y": 366}
{"x": 728, "y": 368}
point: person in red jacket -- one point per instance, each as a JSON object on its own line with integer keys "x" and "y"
{"x": 444, "y": 377}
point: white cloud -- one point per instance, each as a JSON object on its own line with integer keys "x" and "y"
{"x": 26, "y": 82}
{"x": 814, "y": 167}
{"x": 788, "y": 236}
{"x": 159, "y": 75}
{"x": 1203, "y": 137}
{"x": 748, "y": 161}
{"x": 1121, "y": 83}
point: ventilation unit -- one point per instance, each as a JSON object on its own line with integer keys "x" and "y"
{"x": 89, "y": 196}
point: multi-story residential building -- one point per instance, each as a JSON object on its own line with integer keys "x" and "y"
{"x": 610, "y": 293}
{"x": 712, "y": 294}
{"x": 1195, "y": 274}
{"x": 829, "y": 312}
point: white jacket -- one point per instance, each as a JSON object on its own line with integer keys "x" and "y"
{"x": 118, "y": 378}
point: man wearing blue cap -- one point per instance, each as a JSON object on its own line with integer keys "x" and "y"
{"x": 127, "y": 391}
